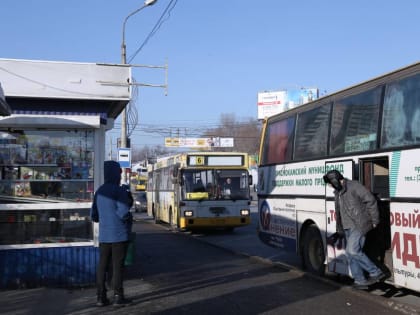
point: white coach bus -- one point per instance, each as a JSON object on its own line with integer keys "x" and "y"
{"x": 371, "y": 133}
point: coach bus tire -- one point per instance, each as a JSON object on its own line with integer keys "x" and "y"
{"x": 313, "y": 251}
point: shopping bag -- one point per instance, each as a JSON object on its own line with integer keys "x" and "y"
{"x": 130, "y": 256}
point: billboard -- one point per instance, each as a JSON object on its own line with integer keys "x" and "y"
{"x": 271, "y": 103}
{"x": 275, "y": 102}
{"x": 215, "y": 142}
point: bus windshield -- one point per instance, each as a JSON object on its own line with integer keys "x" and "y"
{"x": 215, "y": 184}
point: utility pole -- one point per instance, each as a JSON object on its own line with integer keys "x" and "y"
{"x": 123, "y": 143}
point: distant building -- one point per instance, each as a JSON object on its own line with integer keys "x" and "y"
{"x": 4, "y": 107}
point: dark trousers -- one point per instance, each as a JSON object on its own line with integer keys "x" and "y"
{"x": 111, "y": 255}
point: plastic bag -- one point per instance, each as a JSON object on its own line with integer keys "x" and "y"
{"x": 130, "y": 257}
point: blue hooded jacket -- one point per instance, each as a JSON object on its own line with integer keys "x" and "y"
{"x": 111, "y": 207}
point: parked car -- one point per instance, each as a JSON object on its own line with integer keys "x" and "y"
{"x": 140, "y": 202}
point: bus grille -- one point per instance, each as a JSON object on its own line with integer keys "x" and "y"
{"x": 217, "y": 210}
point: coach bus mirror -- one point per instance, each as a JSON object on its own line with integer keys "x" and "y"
{"x": 250, "y": 180}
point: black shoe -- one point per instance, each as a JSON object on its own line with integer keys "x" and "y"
{"x": 102, "y": 301}
{"x": 363, "y": 285}
{"x": 120, "y": 300}
{"x": 379, "y": 278}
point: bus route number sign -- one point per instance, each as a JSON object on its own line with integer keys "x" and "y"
{"x": 197, "y": 160}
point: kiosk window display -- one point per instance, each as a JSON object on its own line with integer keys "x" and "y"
{"x": 51, "y": 169}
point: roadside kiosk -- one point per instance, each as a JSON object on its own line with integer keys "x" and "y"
{"x": 52, "y": 149}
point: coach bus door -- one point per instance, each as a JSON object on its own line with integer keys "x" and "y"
{"x": 374, "y": 175}
{"x": 336, "y": 259}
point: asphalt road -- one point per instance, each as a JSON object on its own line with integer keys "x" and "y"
{"x": 254, "y": 276}
{"x": 245, "y": 241}
{"x": 190, "y": 277}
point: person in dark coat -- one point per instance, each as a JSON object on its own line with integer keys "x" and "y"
{"x": 111, "y": 208}
{"x": 357, "y": 213}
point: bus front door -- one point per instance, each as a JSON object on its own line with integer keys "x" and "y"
{"x": 374, "y": 175}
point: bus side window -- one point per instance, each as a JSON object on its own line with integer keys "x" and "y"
{"x": 279, "y": 142}
{"x": 415, "y": 126}
{"x": 394, "y": 119}
{"x": 401, "y": 116}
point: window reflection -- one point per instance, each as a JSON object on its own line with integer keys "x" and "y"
{"x": 279, "y": 141}
{"x": 312, "y": 133}
{"x": 401, "y": 117}
{"x": 45, "y": 226}
{"x": 355, "y": 122}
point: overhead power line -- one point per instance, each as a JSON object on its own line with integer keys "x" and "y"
{"x": 157, "y": 26}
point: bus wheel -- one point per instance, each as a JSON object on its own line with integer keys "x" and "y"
{"x": 313, "y": 251}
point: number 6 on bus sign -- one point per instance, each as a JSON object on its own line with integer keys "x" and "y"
{"x": 197, "y": 160}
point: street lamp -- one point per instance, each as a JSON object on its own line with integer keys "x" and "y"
{"x": 123, "y": 143}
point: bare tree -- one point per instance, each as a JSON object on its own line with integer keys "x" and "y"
{"x": 245, "y": 133}
{"x": 147, "y": 152}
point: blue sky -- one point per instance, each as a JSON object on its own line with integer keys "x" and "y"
{"x": 220, "y": 53}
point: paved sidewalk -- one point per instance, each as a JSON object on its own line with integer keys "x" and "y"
{"x": 56, "y": 301}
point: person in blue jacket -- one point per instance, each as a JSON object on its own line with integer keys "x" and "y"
{"x": 111, "y": 208}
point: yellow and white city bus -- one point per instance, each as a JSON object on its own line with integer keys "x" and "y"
{"x": 200, "y": 190}
{"x": 371, "y": 133}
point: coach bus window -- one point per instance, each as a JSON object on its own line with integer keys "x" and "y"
{"x": 394, "y": 119}
{"x": 401, "y": 117}
{"x": 312, "y": 133}
{"x": 279, "y": 142}
{"x": 355, "y": 122}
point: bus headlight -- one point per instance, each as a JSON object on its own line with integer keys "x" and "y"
{"x": 188, "y": 213}
{"x": 245, "y": 212}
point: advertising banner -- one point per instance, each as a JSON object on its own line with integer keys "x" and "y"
{"x": 215, "y": 142}
{"x": 275, "y": 102}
